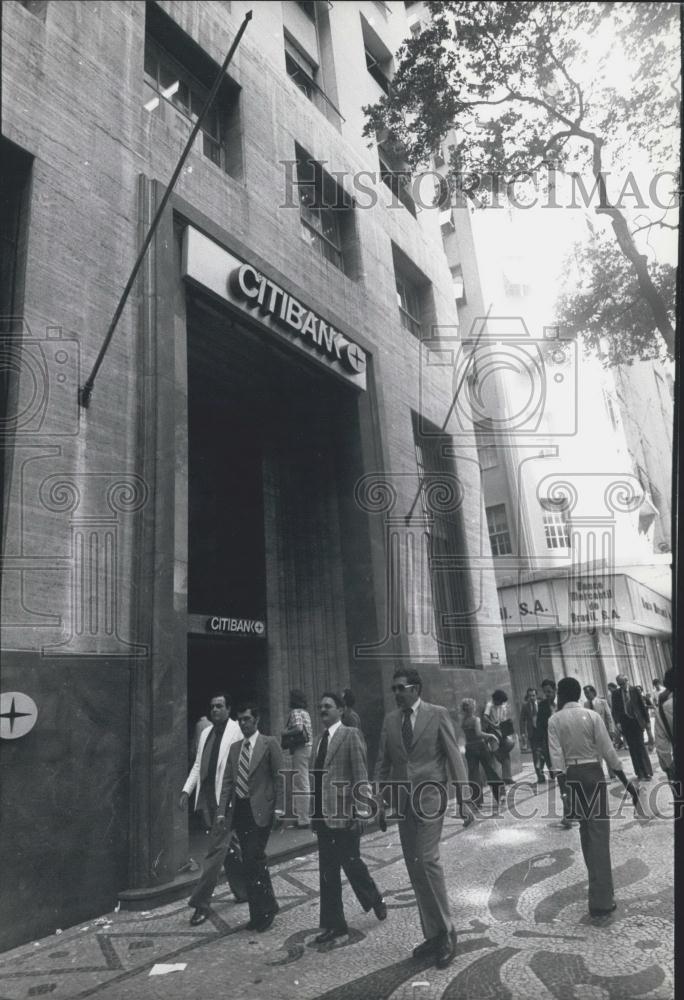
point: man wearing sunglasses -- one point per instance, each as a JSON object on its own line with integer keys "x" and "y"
{"x": 418, "y": 749}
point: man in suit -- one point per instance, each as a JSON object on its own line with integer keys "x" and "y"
{"x": 631, "y": 715}
{"x": 528, "y": 719}
{"x": 206, "y": 779}
{"x": 252, "y": 790}
{"x": 339, "y": 773}
{"x": 418, "y": 748}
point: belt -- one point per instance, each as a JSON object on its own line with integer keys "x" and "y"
{"x": 582, "y": 760}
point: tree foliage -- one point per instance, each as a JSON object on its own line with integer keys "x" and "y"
{"x": 524, "y": 86}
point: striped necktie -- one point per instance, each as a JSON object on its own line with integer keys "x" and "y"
{"x": 242, "y": 784}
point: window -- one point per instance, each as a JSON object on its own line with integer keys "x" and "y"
{"x": 409, "y": 306}
{"x": 444, "y": 539}
{"x": 179, "y": 74}
{"x": 556, "y": 530}
{"x": 458, "y": 284}
{"x": 379, "y": 62}
{"x": 414, "y": 293}
{"x": 300, "y": 69}
{"x": 325, "y": 210}
{"x": 377, "y": 71}
{"x": 499, "y": 534}
{"x": 396, "y": 174}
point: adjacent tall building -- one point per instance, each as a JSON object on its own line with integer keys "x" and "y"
{"x": 264, "y": 492}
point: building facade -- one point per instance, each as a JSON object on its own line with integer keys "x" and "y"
{"x": 576, "y": 464}
{"x": 262, "y": 493}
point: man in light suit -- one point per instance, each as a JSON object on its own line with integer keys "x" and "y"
{"x": 206, "y": 779}
{"x": 338, "y": 767}
{"x": 252, "y": 790}
{"x": 418, "y": 746}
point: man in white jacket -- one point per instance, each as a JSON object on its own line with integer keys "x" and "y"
{"x": 205, "y": 780}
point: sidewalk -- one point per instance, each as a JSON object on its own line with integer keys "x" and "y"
{"x": 518, "y": 892}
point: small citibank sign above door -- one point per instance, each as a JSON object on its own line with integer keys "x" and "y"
{"x": 254, "y": 293}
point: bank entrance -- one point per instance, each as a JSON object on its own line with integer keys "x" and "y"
{"x": 275, "y": 544}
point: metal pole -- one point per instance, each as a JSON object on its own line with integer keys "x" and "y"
{"x": 85, "y": 391}
{"x": 453, "y": 403}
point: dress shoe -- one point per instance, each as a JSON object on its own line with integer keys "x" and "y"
{"x": 199, "y": 916}
{"x": 446, "y": 950}
{"x": 468, "y": 819}
{"x": 425, "y": 949}
{"x": 602, "y": 913}
{"x": 380, "y": 909}
{"x": 265, "y": 922}
{"x": 325, "y": 937}
{"x": 566, "y": 824}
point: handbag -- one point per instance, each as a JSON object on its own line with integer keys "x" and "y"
{"x": 291, "y": 739}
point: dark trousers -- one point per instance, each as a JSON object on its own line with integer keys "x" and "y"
{"x": 253, "y": 840}
{"x": 634, "y": 737}
{"x": 588, "y": 797}
{"x": 477, "y": 758}
{"x": 541, "y": 757}
{"x": 223, "y": 851}
{"x": 340, "y": 849}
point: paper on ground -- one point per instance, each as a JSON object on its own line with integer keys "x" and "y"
{"x": 162, "y": 970}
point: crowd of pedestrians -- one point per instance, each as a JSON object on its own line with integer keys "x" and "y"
{"x": 242, "y": 779}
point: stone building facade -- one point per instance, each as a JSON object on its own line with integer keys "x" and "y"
{"x": 262, "y": 493}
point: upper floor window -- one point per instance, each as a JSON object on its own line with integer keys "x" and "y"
{"x": 309, "y": 8}
{"x": 396, "y": 174}
{"x": 409, "y": 305}
{"x": 499, "y": 535}
{"x": 379, "y": 62}
{"x": 414, "y": 294}
{"x": 556, "y": 530}
{"x": 325, "y": 210}
{"x": 179, "y": 74}
{"x": 301, "y": 70}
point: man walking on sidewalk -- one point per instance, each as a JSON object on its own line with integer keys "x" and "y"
{"x": 338, "y": 768}
{"x": 205, "y": 780}
{"x": 578, "y": 742}
{"x": 631, "y": 715}
{"x": 418, "y": 748}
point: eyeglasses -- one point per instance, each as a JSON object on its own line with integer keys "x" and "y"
{"x": 401, "y": 687}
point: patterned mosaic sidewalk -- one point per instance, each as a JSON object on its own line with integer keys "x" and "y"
{"x": 518, "y": 889}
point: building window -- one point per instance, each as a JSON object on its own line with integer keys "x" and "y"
{"x": 458, "y": 284}
{"x": 409, "y": 305}
{"x": 488, "y": 456}
{"x": 414, "y": 293}
{"x": 300, "y": 70}
{"x": 499, "y": 534}
{"x": 444, "y": 539}
{"x": 396, "y": 174}
{"x": 557, "y": 531}
{"x": 325, "y": 210}
{"x": 379, "y": 62}
{"x": 179, "y": 74}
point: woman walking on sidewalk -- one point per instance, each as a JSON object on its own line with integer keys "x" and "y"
{"x": 497, "y": 720}
{"x": 478, "y": 753}
{"x": 299, "y": 722}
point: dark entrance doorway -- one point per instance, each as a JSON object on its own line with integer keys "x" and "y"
{"x": 274, "y": 451}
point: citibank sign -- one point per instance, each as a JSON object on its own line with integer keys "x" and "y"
{"x": 245, "y": 287}
{"x": 258, "y": 290}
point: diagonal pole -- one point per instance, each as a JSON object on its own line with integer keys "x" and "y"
{"x": 453, "y": 405}
{"x": 85, "y": 391}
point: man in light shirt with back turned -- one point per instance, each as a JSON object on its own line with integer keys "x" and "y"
{"x": 578, "y": 742}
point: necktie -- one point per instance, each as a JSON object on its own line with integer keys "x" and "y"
{"x": 322, "y": 751}
{"x": 406, "y": 729}
{"x": 242, "y": 785}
